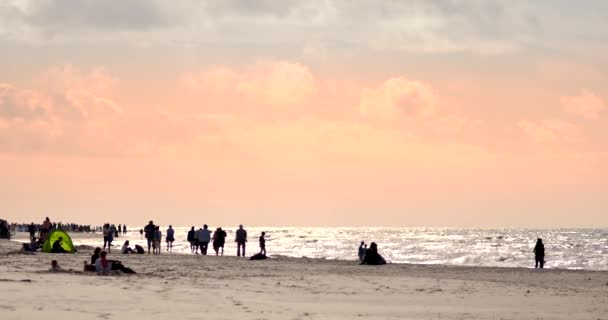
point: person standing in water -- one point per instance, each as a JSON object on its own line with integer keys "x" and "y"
{"x": 241, "y": 239}
{"x": 170, "y": 238}
{"x": 262, "y": 243}
{"x": 539, "y": 254}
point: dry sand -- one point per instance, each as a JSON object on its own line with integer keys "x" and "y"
{"x": 173, "y": 286}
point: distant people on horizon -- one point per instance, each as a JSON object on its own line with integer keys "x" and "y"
{"x": 149, "y": 232}
{"x": 372, "y": 257}
{"x": 170, "y": 238}
{"x": 262, "y": 243}
{"x": 190, "y": 238}
{"x": 539, "y": 254}
{"x": 157, "y": 239}
{"x": 58, "y": 246}
{"x": 241, "y": 239}
{"x": 219, "y": 239}
{"x": 204, "y": 238}
{"x": 124, "y": 229}
{"x": 362, "y": 249}
{"x": 120, "y": 229}
{"x": 126, "y": 249}
{"x": 141, "y": 233}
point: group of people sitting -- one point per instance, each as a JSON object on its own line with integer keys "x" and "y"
{"x": 126, "y": 249}
{"x": 370, "y": 256}
{"x": 103, "y": 266}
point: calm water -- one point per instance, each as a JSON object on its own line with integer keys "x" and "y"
{"x": 565, "y": 248}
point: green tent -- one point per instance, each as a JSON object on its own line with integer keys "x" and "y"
{"x": 54, "y": 236}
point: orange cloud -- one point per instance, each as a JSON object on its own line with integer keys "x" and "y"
{"x": 268, "y": 83}
{"x": 586, "y": 104}
{"x": 399, "y": 96}
{"x": 550, "y": 131}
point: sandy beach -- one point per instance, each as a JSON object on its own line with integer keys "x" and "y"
{"x": 182, "y": 286}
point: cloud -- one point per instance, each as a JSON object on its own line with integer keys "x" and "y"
{"x": 398, "y": 97}
{"x": 550, "y": 131}
{"x": 587, "y": 105}
{"x": 267, "y": 83}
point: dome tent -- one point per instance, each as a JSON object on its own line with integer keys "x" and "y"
{"x": 54, "y": 236}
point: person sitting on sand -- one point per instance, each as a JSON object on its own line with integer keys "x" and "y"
{"x": 362, "y": 249}
{"x": 114, "y": 264}
{"x": 539, "y": 254}
{"x": 58, "y": 246}
{"x": 372, "y": 257}
{"x": 126, "y": 249}
{"x": 102, "y": 265}
{"x": 139, "y": 249}
{"x": 55, "y": 266}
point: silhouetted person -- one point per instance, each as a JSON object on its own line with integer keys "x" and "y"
{"x": 372, "y": 257}
{"x": 126, "y": 249}
{"x": 58, "y": 246}
{"x": 362, "y": 249}
{"x": 141, "y": 233}
{"x": 170, "y": 238}
{"x": 219, "y": 239}
{"x": 241, "y": 239}
{"x": 539, "y": 253}
{"x": 124, "y": 229}
{"x": 204, "y": 237}
{"x": 262, "y": 243}
{"x": 190, "y": 239}
{"x": 149, "y": 232}
{"x": 32, "y": 230}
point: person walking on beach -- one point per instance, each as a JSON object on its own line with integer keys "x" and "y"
{"x": 190, "y": 239}
{"x": 262, "y": 243}
{"x": 170, "y": 238}
{"x": 204, "y": 237}
{"x": 241, "y": 239}
{"x": 149, "y": 231}
{"x": 196, "y": 241}
{"x": 157, "y": 238}
{"x": 124, "y": 229}
{"x": 219, "y": 239}
{"x": 362, "y": 249}
{"x": 539, "y": 254}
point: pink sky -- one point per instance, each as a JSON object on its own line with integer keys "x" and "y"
{"x": 133, "y": 122}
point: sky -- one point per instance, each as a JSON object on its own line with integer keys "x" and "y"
{"x": 477, "y": 113}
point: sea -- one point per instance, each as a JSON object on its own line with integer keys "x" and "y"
{"x": 585, "y": 249}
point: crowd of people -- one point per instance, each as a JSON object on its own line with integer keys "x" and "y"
{"x": 199, "y": 240}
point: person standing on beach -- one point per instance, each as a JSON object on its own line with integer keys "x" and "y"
{"x": 219, "y": 239}
{"x": 196, "y": 241}
{"x": 204, "y": 237}
{"x": 539, "y": 254}
{"x": 124, "y": 229}
{"x": 362, "y": 249}
{"x": 170, "y": 238}
{"x": 190, "y": 239}
{"x": 262, "y": 243}
{"x": 157, "y": 238}
{"x": 372, "y": 257}
{"x": 32, "y": 230}
{"x": 241, "y": 239}
{"x": 141, "y": 233}
{"x": 149, "y": 231}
